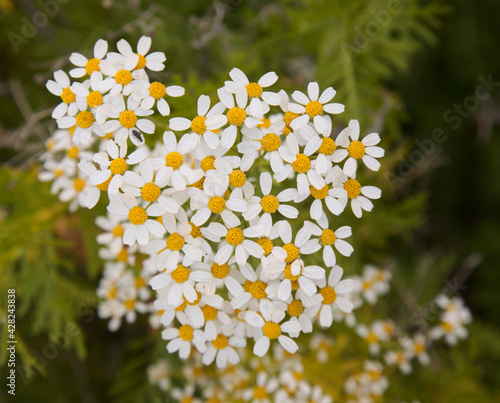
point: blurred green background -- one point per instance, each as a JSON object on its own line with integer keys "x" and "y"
{"x": 407, "y": 69}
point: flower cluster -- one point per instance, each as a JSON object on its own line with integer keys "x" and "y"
{"x": 234, "y": 207}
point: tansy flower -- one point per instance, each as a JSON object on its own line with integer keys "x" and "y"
{"x": 269, "y": 322}
{"x": 221, "y": 350}
{"x": 177, "y": 283}
{"x": 331, "y": 294}
{"x": 350, "y": 189}
{"x": 88, "y": 96}
{"x": 61, "y": 88}
{"x": 312, "y": 106}
{"x": 203, "y": 124}
{"x": 116, "y": 167}
{"x": 174, "y": 170}
{"x": 134, "y": 61}
{"x": 183, "y": 337}
{"x": 155, "y": 92}
{"x": 329, "y": 239}
{"x": 356, "y": 150}
{"x": 126, "y": 206}
{"x": 125, "y": 118}
{"x": 269, "y": 203}
{"x": 88, "y": 66}
{"x": 254, "y": 91}
{"x": 236, "y": 115}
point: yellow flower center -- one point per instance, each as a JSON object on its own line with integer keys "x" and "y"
{"x": 174, "y": 160}
{"x": 265, "y": 123}
{"x": 78, "y": 184}
{"x": 371, "y": 338}
{"x": 314, "y": 108}
{"x": 237, "y": 178}
{"x": 92, "y": 65}
{"x": 419, "y": 348}
{"x": 295, "y": 308}
{"x": 328, "y": 237}
{"x": 254, "y": 90}
{"x": 139, "y": 282}
{"x": 129, "y": 304}
{"x": 292, "y": 252}
{"x": 327, "y": 146}
{"x": 269, "y": 204}
{"x": 220, "y": 342}
{"x": 104, "y": 186}
{"x": 353, "y": 188}
{"x": 141, "y": 63}
{"x": 258, "y": 289}
{"x": 259, "y": 392}
{"x": 208, "y": 163}
{"x": 319, "y": 193}
{"x": 236, "y": 116}
{"x": 288, "y": 273}
{"x": 182, "y": 306}
{"x": 198, "y": 125}
{"x": 235, "y": 236}
{"x": 67, "y": 96}
{"x": 209, "y": 312}
{"x": 181, "y": 274}
{"x": 84, "y": 119}
{"x": 137, "y": 215}
{"x": 123, "y": 77}
{"x": 118, "y": 231}
{"x": 72, "y": 152}
{"x": 301, "y": 164}
{"x": 122, "y": 256}
{"x": 329, "y": 295}
{"x": 219, "y": 271}
{"x": 112, "y": 293}
{"x": 186, "y": 332}
{"x": 196, "y": 301}
{"x": 157, "y": 90}
{"x": 447, "y": 327}
{"x": 216, "y": 204}
{"x": 271, "y": 330}
{"x": 266, "y": 244}
{"x": 198, "y": 184}
{"x": 94, "y": 99}
{"x": 195, "y": 230}
{"x": 289, "y": 116}
{"x": 150, "y": 192}
{"x": 175, "y": 242}
{"x": 270, "y": 142}
{"x": 356, "y": 149}
{"x": 127, "y": 119}
{"x": 118, "y": 166}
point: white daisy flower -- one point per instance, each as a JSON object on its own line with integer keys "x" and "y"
{"x": 350, "y": 189}
{"x": 113, "y": 232}
{"x": 85, "y": 125}
{"x": 178, "y": 240}
{"x": 269, "y": 322}
{"x": 125, "y": 118}
{"x": 329, "y": 239}
{"x": 174, "y": 170}
{"x": 117, "y": 166}
{"x": 263, "y": 391}
{"x": 304, "y": 280}
{"x": 203, "y": 124}
{"x": 331, "y": 295}
{"x": 265, "y": 142}
{"x": 88, "y": 66}
{"x": 416, "y": 346}
{"x": 176, "y": 283}
{"x": 153, "y": 61}
{"x": 126, "y": 207}
{"x": 74, "y": 191}
{"x": 236, "y": 115}
{"x": 61, "y": 87}
{"x": 235, "y": 242}
{"x": 312, "y": 106}
{"x": 301, "y": 163}
{"x": 156, "y": 92}
{"x": 89, "y": 96}
{"x": 255, "y": 91}
{"x": 269, "y": 203}
{"x": 356, "y": 150}
{"x": 182, "y": 338}
{"x": 221, "y": 350}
